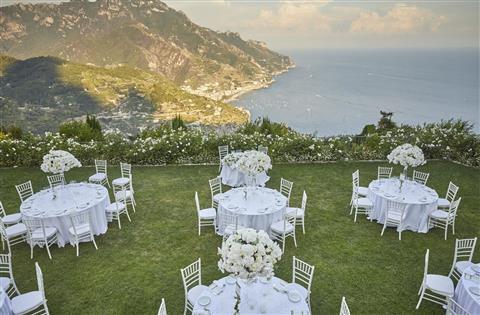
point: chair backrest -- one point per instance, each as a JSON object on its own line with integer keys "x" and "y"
{"x": 3, "y": 232}
{"x": 122, "y": 196}
{"x": 464, "y": 248}
{"x": 192, "y": 275}
{"x": 344, "y": 310}
{"x": 425, "y": 270}
{"x": 41, "y": 288}
{"x": 6, "y": 265}
{"x": 302, "y": 273}
{"x": 24, "y": 190}
{"x": 286, "y": 187}
{"x": 126, "y": 170}
{"x": 451, "y": 192}
{"x": 384, "y": 172}
{"x": 33, "y": 224}
{"x": 56, "y": 180}
{"x": 304, "y": 201}
{"x": 222, "y": 151}
{"x": 101, "y": 166}
{"x": 453, "y": 308}
{"x": 163, "y": 308}
{"x": 262, "y": 149}
{"x": 396, "y": 208}
{"x": 2, "y": 210}
{"x": 227, "y": 219}
{"x": 79, "y": 218}
{"x": 420, "y": 177}
{"x": 454, "y": 207}
{"x": 356, "y": 179}
{"x": 215, "y": 186}
{"x": 197, "y": 202}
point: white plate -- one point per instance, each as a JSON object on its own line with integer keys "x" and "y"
{"x": 475, "y": 290}
{"x": 204, "y": 300}
{"x": 294, "y": 296}
{"x": 230, "y": 280}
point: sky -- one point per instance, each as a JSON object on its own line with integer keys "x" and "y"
{"x": 325, "y": 24}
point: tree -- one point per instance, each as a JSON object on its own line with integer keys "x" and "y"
{"x": 385, "y": 121}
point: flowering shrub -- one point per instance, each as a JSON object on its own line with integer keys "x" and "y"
{"x": 452, "y": 140}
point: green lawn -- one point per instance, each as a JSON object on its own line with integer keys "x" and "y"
{"x": 138, "y": 265}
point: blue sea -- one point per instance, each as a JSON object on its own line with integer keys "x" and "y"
{"x": 334, "y": 92}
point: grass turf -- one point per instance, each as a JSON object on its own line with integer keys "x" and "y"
{"x": 138, "y": 265}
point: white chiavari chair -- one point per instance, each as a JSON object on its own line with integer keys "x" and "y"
{"x": 7, "y": 282}
{"x": 13, "y": 234}
{"x": 228, "y": 223}
{"x": 126, "y": 175}
{"x": 394, "y": 216}
{"x": 453, "y": 308}
{"x": 119, "y": 207}
{"x": 24, "y": 190}
{"x": 420, "y": 177}
{"x": 435, "y": 288}
{"x": 300, "y": 212}
{"x": 344, "y": 310}
{"x": 9, "y": 219}
{"x": 449, "y": 197}
{"x": 125, "y": 193}
{"x": 163, "y": 308}
{"x": 215, "y": 190}
{"x": 39, "y": 234}
{"x": 192, "y": 283}
{"x": 280, "y": 230}
{"x": 33, "y": 302}
{"x": 361, "y": 205}
{"x": 81, "y": 229}
{"x": 101, "y": 176}
{"x": 56, "y": 180}
{"x": 462, "y": 259}
{"x": 362, "y": 191}
{"x": 384, "y": 172}
{"x": 443, "y": 219}
{"x": 302, "y": 278}
{"x": 286, "y": 189}
{"x": 262, "y": 149}
{"x": 206, "y": 217}
{"x": 222, "y": 152}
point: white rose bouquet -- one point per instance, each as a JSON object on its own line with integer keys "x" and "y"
{"x": 231, "y": 159}
{"x": 248, "y": 254}
{"x": 252, "y": 163}
{"x": 59, "y": 161}
{"x": 407, "y": 155}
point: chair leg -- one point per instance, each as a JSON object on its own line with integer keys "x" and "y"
{"x": 3, "y": 244}
{"x": 400, "y": 235}
{"x": 421, "y": 297}
{"x": 294, "y": 239}
{"x": 94, "y": 243}
{"x": 446, "y": 231}
{"x": 351, "y": 209}
{"x": 119, "y": 224}
{"x": 283, "y": 244}
{"x": 303, "y": 225}
{"x": 383, "y": 229}
{"x": 453, "y": 228}
{"x": 78, "y": 248}
{"x": 48, "y": 250}
{"x": 31, "y": 252}
{"x": 355, "y": 219}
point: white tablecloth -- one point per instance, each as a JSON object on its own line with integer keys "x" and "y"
{"x": 255, "y": 298}
{"x": 5, "y": 304}
{"x": 469, "y": 301}
{"x": 258, "y": 211}
{"x": 73, "y": 197}
{"x": 235, "y": 178}
{"x": 419, "y": 201}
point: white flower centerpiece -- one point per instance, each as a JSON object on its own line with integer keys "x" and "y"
{"x": 247, "y": 255}
{"x": 250, "y": 163}
{"x": 406, "y": 155}
{"x": 58, "y": 162}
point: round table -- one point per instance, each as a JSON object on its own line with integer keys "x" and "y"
{"x": 235, "y": 178}
{"x": 72, "y": 197}
{"x": 255, "y": 298}
{"x": 464, "y": 297}
{"x": 256, "y": 207}
{"x": 419, "y": 202}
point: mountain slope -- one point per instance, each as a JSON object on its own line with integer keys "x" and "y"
{"x": 145, "y": 34}
{"x": 39, "y": 93}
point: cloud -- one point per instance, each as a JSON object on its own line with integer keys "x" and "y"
{"x": 400, "y": 19}
{"x": 293, "y": 16}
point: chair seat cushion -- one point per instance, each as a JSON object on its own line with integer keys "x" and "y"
{"x": 362, "y": 191}
{"x": 119, "y": 194}
{"x": 97, "y": 177}
{"x": 195, "y": 292}
{"x": 279, "y": 227}
{"x": 122, "y": 181}
{"x": 441, "y": 284}
{"x": 38, "y": 233}
{"x": 26, "y": 302}
{"x": 5, "y": 283}
{"x": 439, "y": 214}
{"x": 299, "y": 288}
{"x": 13, "y": 218}
{"x": 290, "y": 211}
{"x": 443, "y": 203}
{"x": 115, "y": 206}
{"x": 363, "y": 203}
{"x": 209, "y": 213}
{"x": 15, "y": 230}
{"x": 462, "y": 265}
{"x": 81, "y": 229}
